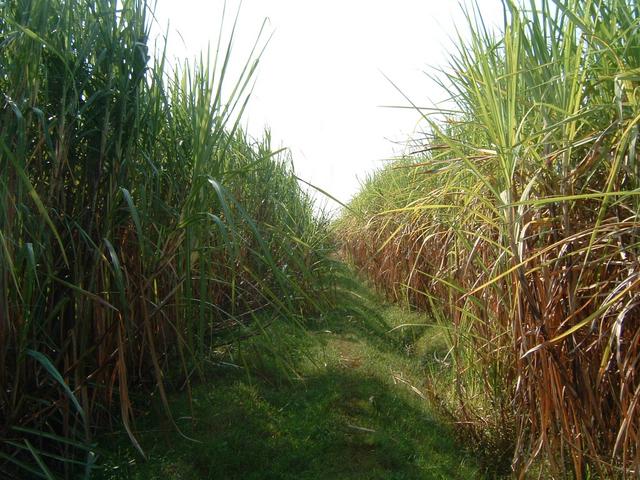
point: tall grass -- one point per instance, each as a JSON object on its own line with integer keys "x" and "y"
{"x": 139, "y": 226}
{"x": 518, "y": 226}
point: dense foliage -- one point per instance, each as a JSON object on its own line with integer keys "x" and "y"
{"x": 518, "y": 227}
{"x": 139, "y": 227}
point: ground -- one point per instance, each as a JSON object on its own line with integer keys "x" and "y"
{"x": 356, "y": 409}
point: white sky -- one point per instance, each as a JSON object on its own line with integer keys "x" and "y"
{"x": 319, "y": 85}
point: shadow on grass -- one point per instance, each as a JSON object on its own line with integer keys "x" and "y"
{"x": 359, "y": 315}
{"x": 345, "y": 418}
{"x": 339, "y": 424}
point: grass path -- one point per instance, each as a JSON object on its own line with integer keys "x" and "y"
{"x": 354, "y": 412}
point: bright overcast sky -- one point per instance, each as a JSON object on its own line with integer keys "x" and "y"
{"x": 320, "y": 84}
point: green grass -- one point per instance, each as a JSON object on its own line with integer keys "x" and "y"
{"x": 351, "y": 414}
